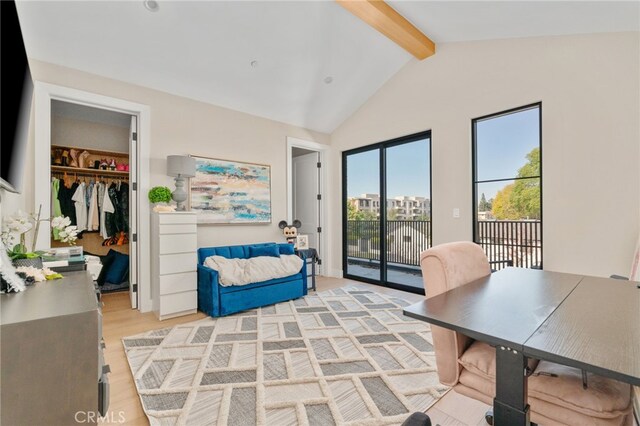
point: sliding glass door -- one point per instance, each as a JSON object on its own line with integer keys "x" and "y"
{"x": 387, "y": 211}
{"x": 362, "y": 240}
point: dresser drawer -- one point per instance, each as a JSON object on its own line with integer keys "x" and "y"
{"x": 178, "y": 228}
{"x": 172, "y": 303}
{"x": 176, "y": 263}
{"x": 177, "y": 283}
{"x": 177, "y": 218}
{"x": 178, "y": 243}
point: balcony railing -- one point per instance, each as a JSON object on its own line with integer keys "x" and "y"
{"x": 405, "y": 240}
{"x": 511, "y": 241}
{"x": 506, "y": 243}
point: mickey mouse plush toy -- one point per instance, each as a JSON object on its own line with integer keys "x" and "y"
{"x": 290, "y": 231}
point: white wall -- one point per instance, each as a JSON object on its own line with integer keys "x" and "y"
{"x": 590, "y": 93}
{"x": 183, "y": 126}
{"x": 10, "y": 202}
{"x": 86, "y": 134}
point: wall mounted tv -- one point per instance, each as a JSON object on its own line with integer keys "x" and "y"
{"x": 16, "y": 89}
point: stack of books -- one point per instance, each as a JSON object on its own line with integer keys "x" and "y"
{"x": 65, "y": 259}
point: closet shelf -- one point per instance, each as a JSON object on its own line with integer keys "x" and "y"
{"x": 92, "y": 151}
{"x": 86, "y": 171}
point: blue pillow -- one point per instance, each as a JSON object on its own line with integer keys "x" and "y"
{"x": 270, "y": 250}
{"x": 106, "y": 261}
{"x": 118, "y": 270}
{"x": 286, "y": 248}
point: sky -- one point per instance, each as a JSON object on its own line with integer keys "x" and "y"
{"x": 503, "y": 143}
{"x": 407, "y": 171}
{"x": 502, "y": 147}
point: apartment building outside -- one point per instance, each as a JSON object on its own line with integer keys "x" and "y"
{"x": 399, "y": 208}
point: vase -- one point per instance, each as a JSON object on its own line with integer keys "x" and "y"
{"x": 36, "y": 262}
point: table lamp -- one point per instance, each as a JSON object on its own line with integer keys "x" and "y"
{"x": 180, "y": 167}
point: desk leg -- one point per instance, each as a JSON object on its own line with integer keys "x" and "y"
{"x": 510, "y": 404}
{"x": 313, "y": 273}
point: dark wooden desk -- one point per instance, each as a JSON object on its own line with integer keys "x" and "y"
{"x": 503, "y": 309}
{"x": 597, "y": 329}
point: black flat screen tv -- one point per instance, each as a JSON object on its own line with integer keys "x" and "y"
{"x": 16, "y": 90}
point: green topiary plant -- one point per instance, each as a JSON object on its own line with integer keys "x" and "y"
{"x": 160, "y": 194}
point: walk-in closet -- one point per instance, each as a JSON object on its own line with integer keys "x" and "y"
{"x": 90, "y": 184}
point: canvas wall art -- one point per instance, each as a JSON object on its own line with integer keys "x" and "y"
{"x": 225, "y": 191}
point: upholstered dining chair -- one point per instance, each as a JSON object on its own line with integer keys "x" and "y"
{"x": 556, "y": 392}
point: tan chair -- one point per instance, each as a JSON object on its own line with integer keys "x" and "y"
{"x": 556, "y": 397}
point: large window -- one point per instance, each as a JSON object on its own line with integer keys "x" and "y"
{"x": 507, "y": 186}
{"x": 387, "y": 211}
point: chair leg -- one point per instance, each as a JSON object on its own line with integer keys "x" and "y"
{"x": 488, "y": 417}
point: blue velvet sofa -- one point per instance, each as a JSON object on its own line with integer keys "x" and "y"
{"x": 217, "y": 300}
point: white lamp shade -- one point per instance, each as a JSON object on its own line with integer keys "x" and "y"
{"x": 181, "y": 165}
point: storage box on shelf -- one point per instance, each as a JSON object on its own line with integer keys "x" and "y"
{"x": 173, "y": 264}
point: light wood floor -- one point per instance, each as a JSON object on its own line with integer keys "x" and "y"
{"x": 120, "y": 320}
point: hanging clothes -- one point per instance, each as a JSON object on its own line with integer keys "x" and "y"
{"x": 113, "y": 218}
{"x": 80, "y": 205}
{"x": 100, "y": 190}
{"x": 107, "y": 210}
{"x": 123, "y": 206}
{"x": 67, "y": 205}
{"x": 93, "y": 218}
{"x": 55, "y": 202}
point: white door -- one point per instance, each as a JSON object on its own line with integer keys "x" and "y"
{"x": 306, "y": 189}
{"x": 133, "y": 212}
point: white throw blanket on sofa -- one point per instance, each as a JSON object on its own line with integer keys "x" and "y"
{"x": 253, "y": 270}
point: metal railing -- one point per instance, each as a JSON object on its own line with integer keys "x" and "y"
{"x": 405, "y": 240}
{"x": 506, "y": 243}
{"x": 511, "y": 241}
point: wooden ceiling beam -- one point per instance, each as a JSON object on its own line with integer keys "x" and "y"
{"x": 385, "y": 19}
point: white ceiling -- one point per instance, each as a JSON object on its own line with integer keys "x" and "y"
{"x": 203, "y": 50}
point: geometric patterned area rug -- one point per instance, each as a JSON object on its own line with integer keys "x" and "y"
{"x": 339, "y": 357}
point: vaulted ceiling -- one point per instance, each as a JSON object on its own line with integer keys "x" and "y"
{"x": 204, "y": 50}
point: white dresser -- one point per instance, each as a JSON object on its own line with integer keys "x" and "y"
{"x": 174, "y": 286}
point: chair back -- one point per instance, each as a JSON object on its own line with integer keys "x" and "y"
{"x": 445, "y": 267}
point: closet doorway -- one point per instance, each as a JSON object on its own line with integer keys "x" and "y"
{"x": 306, "y": 176}
{"x": 45, "y": 94}
{"x": 92, "y": 171}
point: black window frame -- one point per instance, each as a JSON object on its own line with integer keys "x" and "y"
{"x": 474, "y": 171}
{"x": 382, "y": 216}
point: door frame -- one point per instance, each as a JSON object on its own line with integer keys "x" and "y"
{"x": 322, "y": 151}
{"x": 382, "y": 148}
{"x": 44, "y": 93}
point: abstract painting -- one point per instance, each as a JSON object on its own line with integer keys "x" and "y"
{"x": 225, "y": 191}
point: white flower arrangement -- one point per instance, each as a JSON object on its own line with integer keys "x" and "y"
{"x": 16, "y": 226}
{"x": 12, "y": 247}
{"x": 66, "y": 232}
{"x": 60, "y": 222}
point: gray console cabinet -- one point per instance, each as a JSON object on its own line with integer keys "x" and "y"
{"x": 51, "y": 354}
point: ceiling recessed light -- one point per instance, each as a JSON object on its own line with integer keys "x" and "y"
{"x": 328, "y": 80}
{"x": 151, "y": 5}
{"x": 254, "y": 64}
